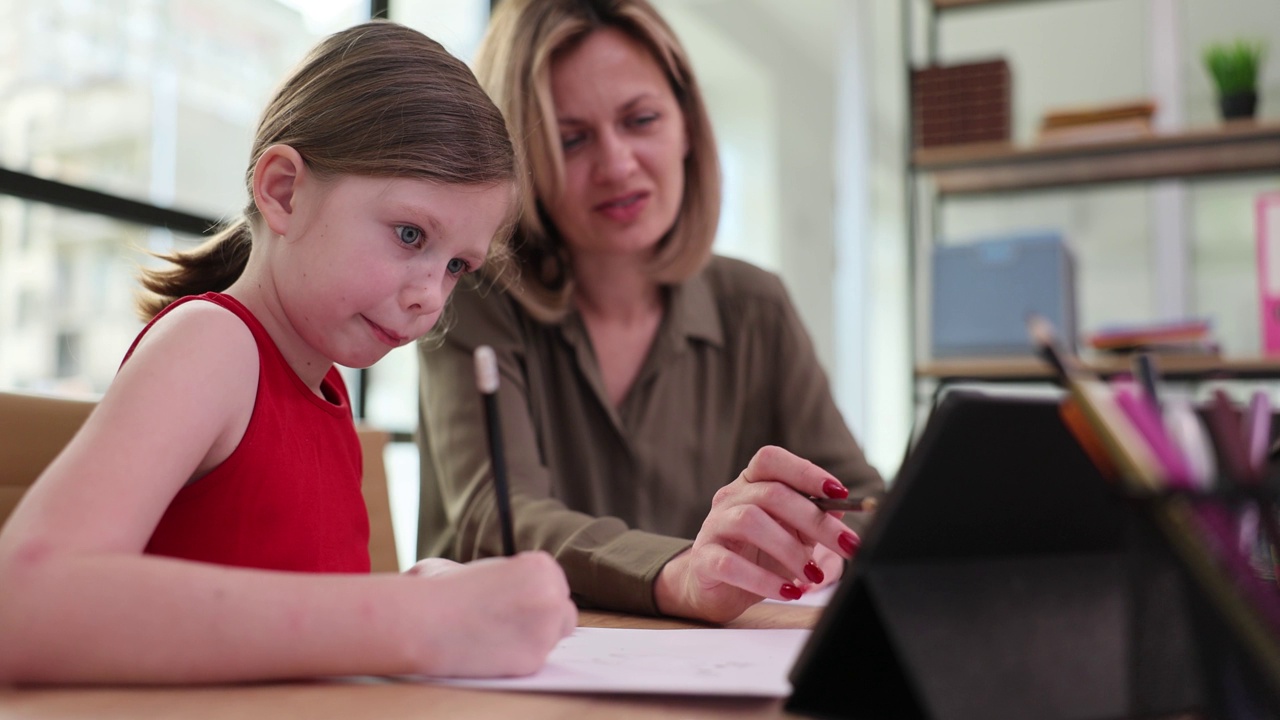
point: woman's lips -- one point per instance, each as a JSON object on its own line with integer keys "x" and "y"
{"x": 624, "y": 208}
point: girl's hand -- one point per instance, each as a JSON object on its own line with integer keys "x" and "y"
{"x": 494, "y": 617}
{"x": 758, "y": 541}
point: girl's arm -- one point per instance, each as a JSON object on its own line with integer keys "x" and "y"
{"x": 109, "y": 618}
{"x": 82, "y": 603}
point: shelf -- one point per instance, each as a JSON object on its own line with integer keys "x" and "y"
{"x": 941, "y": 5}
{"x": 1235, "y": 147}
{"x": 1032, "y": 369}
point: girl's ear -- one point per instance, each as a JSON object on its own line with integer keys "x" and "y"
{"x": 276, "y": 178}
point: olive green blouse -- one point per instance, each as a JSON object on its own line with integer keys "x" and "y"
{"x": 615, "y": 492}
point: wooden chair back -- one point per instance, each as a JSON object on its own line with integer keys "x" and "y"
{"x": 382, "y": 539}
{"x": 34, "y": 428}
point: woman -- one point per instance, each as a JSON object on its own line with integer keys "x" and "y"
{"x": 639, "y": 373}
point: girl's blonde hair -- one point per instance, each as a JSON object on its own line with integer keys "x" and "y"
{"x": 514, "y": 65}
{"x": 377, "y": 99}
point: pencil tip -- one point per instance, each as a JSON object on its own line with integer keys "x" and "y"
{"x": 486, "y": 370}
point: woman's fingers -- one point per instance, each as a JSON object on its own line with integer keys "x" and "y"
{"x": 717, "y": 565}
{"x": 831, "y": 565}
{"x": 812, "y": 525}
{"x": 800, "y": 524}
{"x": 764, "y": 537}
{"x": 779, "y": 531}
{"x": 772, "y": 471}
{"x": 751, "y": 525}
{"x": 771, "y": 463}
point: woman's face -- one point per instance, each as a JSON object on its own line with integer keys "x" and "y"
{"x": 624, "y": 141}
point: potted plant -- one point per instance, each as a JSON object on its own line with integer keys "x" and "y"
{"x": 1234, "y": 68}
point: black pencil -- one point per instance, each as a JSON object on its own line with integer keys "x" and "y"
{"x": 1045, "y": 339}
{"x": 487, "y": 382}
{"x": 848, "y": 504}
{"x": 1144, "y": 369}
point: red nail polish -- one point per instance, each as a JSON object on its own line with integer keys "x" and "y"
{"x": 834, "y": 489}
{"x": 850, "y": 543}
{"x": 813, "y": 572}
{"x": 790, "y": 592}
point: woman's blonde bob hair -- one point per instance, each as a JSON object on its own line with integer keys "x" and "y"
{"x": 514, "y": 66}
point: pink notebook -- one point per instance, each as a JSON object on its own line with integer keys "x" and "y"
{"x": 1268, "y": 228}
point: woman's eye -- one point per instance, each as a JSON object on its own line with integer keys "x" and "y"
{"x": 646, "y": 119}
{"x": 569, "y": 142}
{"x": 408, "y": 234}
{"x": 457, "y": 266}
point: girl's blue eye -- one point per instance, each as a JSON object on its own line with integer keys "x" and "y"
{"x": 457, "y": 266}
{"x": 408, "y": 234}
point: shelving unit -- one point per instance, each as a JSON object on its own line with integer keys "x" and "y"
{"x": 953, "y": 4}
{"x": 934, "y": 377}
{"x": 937, "y": 173}
{"x": 1033, "y": 369}
{"x": 1235, "y": 148}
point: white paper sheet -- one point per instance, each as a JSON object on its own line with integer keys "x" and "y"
{"x": 745, "y": 663}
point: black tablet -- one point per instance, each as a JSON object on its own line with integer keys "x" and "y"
{"x": 1004, "y": 577}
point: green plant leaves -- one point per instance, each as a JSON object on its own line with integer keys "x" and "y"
{"x": 1234, "y": 65}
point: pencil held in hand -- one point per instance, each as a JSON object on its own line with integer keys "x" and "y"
{"x": 487, "y": 382}
{"x": 846, "y": 504}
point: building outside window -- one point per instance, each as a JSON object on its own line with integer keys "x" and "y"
{"x": 148, "y": 100}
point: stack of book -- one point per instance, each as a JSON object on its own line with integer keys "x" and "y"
{"x": 1103, "y": 123}
{"x": 957, "y": 104}
{"x": 1191, "y": 336}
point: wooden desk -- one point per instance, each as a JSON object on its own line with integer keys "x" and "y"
{"x": 378, "y": 698}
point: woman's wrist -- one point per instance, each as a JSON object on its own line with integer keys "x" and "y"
{"x": 669, "y": 594}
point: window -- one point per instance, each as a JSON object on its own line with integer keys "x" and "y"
{"x": 149, "y": 101}
{"x": 67, "y": 284}
{"x": 144, "y": 108}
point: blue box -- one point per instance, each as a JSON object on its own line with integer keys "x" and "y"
{"x": 984, "y": 291}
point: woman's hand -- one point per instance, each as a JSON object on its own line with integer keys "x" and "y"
{"x": 494, "y": 617}
{"x": 830, "y": 563}
{"x": 759, "y": 541}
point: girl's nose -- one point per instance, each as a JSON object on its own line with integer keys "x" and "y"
{"x": 425, "y": 296}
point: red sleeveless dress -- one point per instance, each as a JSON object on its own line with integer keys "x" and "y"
{"x": 288, "y": 497}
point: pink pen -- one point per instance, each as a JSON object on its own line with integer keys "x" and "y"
{"x": 1257, "y": 431}
{"x": 1149, "y": 425}
{"x": 1188, "y": 433}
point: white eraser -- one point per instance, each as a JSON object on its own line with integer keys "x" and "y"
{"x": 486, "y": 370}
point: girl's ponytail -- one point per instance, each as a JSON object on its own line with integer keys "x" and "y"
{"x": 211, "y": 267}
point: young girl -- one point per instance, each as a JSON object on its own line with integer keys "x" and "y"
{"x": 181, "y": 535}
